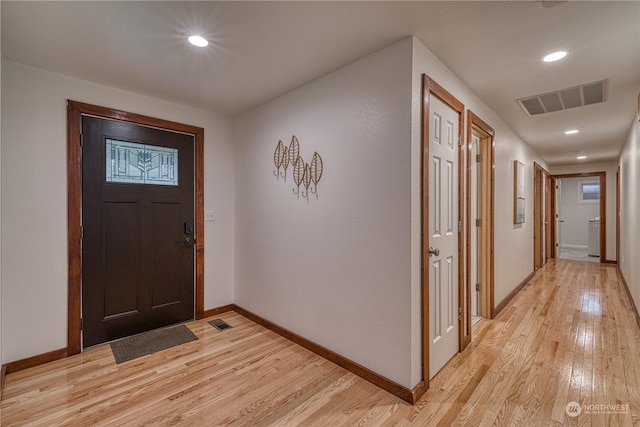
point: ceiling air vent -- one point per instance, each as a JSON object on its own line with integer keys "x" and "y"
{"x": 563, "y": 99}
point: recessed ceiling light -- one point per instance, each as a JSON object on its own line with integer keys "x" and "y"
{"x": 581, "y": 157}
{"x": 198, "y": 41}
{"x": 571, "y": 132}
{"x": 555, "y": 56}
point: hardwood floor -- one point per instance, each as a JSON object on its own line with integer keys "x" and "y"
{"x": 568, "y": 336}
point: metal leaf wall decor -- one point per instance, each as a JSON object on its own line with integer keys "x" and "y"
{"x": 304, "y": 173}
{"x": 294, "y": 149}
{"x": 285, "y": 162}
{"x": 315, "y": 172}
{"x": 306, "y": 180}
{"x": 278, "y": 157}
{"x": 298, "y": 174}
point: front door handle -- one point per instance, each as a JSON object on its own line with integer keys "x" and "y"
{"x": 435, "y": 251}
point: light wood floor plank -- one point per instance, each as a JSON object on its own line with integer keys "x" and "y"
{"x": 568, "y": 336}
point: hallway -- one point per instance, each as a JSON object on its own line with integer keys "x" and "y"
{"x": 569, "y": 335}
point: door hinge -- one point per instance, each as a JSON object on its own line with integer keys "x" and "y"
{"x": 478, "y": 287}
{"x": 81, "y": 139}
{"x": 459, "y": 226}
{"x": 478, "y": 158}
{"x": 478, "y": 222}
{"x": 81, "y": 232}
{"x": 459, "y": 313}
{"x": 81, "y": 324}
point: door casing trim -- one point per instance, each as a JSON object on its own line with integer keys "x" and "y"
{"x": 541, "y": 178}
{"x": 75, "y": 110}
{"x": 476, "y": 125}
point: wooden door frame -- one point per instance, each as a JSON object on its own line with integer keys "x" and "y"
{"x": 540, "y": 179}
{"x": 602, "y": 208}
{"x": 550, "y": 246}
{"x": 487, "y": 133}
{"x": 430, "y": 87}
{"x": 75, "y": 111}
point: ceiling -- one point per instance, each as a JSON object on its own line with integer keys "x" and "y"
{"x": 260, "y": 50}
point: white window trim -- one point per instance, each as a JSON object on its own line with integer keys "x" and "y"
{"x": 581, "y": 201}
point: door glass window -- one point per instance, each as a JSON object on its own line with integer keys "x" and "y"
{"x": 133, "y": 163}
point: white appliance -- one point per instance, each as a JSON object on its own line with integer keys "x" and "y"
{"x": 594, "y": 238}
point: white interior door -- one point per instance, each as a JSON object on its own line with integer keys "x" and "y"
{"x": 443, "y": 235}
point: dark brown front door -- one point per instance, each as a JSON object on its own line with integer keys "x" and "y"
{"x": 138, "y": 229}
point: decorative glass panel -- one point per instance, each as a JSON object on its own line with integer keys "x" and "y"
{"x": 133, "y": 163}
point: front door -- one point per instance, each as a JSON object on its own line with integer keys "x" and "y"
{"x": 138, "y": 229}
{"x": 443, "y": 234}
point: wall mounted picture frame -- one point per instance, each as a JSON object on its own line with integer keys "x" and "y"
{"x": 518, "y": 192}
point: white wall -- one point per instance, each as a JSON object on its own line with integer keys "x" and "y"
{"x": 610, "y": 208}
{"x": 34, "y": 200}
{"x": 574, "y": 230}
{"x": 335, "y": 270}
{"x": 1, "y": 358}
{"x": 629, "y": 211}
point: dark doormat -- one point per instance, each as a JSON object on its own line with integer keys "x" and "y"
{"x": 149, "y": 342}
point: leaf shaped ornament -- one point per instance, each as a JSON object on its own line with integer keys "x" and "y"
{"x": 298, "y": 171}
{"x": 278, "y": 155}
{"x": 315, "y": 168}
{"x": 294, "y": 150}
{"x": 306, "y": 178}
{"x": 285, "y": 159}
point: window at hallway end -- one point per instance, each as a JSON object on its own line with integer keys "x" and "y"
{"x": 588, "y": 192}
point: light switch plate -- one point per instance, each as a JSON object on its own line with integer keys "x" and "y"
{"x": 209, "y": 215}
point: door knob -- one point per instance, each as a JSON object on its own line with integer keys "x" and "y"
{"x": 435, "y": 251}
{"x": 187, "y": 242}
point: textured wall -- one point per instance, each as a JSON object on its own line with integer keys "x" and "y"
{"x": 1, "y": 357}
{"x": 629, "y": 210}
{"x": 336, "y": 269}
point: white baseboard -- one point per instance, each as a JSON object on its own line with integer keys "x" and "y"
{"x": 580, "y": 247}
